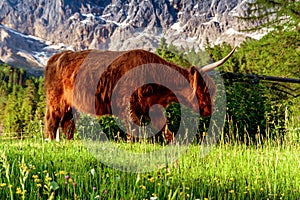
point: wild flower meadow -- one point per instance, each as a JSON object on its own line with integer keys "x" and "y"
{"x": 33, "y": 169}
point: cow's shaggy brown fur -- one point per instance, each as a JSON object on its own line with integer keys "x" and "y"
{"x": 87, "y": 79}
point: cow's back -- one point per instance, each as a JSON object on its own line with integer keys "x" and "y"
{"x": 75, "y": 74}
{"x": 119, "y": 82}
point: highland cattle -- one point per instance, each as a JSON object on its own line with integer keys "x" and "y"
{"x": 126, "y": 84}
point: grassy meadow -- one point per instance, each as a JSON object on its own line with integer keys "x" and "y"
{"x": 34, "y": 169}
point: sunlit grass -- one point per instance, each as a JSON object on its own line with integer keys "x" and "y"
{"x": 31, "y": 169}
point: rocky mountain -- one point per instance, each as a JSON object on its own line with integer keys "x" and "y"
{"x": 33, "y": 30}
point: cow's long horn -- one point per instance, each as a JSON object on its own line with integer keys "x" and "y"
{"x": 211, "y": 66}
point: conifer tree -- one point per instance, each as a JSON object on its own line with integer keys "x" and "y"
{"x": 12, "y": 123}
{"x": 275, "y": 13}
{"x": 28, "y": 106}
{"x": 41, "y": 101}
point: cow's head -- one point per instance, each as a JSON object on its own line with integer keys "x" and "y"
{"x": 203, "y": 90}
{"x": 203, "y": 86}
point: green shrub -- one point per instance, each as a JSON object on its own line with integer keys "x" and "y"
{"x": 103, "y": 128}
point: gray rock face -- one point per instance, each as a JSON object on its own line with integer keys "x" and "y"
{"x": 121, "y": 24}
{"x": 25, "y": 51}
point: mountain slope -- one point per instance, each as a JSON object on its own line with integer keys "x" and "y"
{"x": 116, "y": 25}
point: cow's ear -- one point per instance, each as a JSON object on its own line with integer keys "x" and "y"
{"x": 193, "y": 69}
{"x": 195, "y": 74}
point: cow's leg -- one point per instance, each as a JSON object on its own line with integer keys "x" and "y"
{"x": 159, "y": 122}
{"x": 130, "y": 118}
{"x": 52, "y": 119}
{"x": 164, "y": 136}
{"x": 168, "y": 135}
{"x": 139, "y": 123}
{"x": 68, "y": 125}
{"x": 130, "y": 132}
{"x": 134, "y": 134}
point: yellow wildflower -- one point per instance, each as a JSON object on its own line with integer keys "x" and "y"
{"x": 70, "y": 180}
{"x": 231, "y": 191}
{"x": 39, "y": 185}
{"x": 3, "y": 184}
{"x": 231, "y": 179}
{"x": 62, "y": 172}
{"x": 153, "y": 194}
{"x": 48, "y": 179}
{"x": 143, "y": 187}
{"x": 151, "y": 179}
{"x": 18, "y": 191}
{"x": 37, "y": 180}
{"x": 35, "y": 176}
{"x": 261, "y": 189}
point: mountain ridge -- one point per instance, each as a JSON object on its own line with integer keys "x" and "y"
{"x": 36, "y": 27}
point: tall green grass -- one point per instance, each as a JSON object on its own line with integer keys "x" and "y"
{"x": 33, "y": 169}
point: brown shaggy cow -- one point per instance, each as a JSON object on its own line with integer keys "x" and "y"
{"x": 98, "y": 83}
